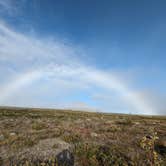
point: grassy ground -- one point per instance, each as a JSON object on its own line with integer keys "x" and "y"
{"x": 34, "y": 136}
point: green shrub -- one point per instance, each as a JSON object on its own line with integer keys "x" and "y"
{"x": 148, "y": 144}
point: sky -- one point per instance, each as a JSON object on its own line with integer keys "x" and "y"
{"x": 104, "y": 56}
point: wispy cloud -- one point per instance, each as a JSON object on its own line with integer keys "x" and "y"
{"x": 33, "y": 51}
{"x": 12, "y": 8}
{"x": 54, "y": 61}
{"x": 6, "y": 4}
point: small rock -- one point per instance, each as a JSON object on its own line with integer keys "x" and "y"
{"x": 137, "y": 123}
{"x": 2, "y": 137}
{"x": 109, "y": 122}
{"x": 12, "y": 134}
{"x": 94, "y": 134}
{"x": 88, "y": 119}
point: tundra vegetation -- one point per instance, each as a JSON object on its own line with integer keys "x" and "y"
{"x": 44, "y": 137}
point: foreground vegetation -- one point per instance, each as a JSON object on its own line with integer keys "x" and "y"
{"x": 65, "y": 137}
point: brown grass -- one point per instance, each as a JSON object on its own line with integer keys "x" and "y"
{"x": 95, "y": 138}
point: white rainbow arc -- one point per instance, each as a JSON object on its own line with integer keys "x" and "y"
{"x": 92, "y": 76}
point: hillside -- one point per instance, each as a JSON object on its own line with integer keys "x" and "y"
{"x": 65, "y": 137}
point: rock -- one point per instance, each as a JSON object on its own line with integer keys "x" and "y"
{"x": 137, "y": 123}
{"x": 109, "y": 122}
{"x": 42, "y": 152}
{"x": 94, "y": 134}
{"x": 89, "y": 120}
{"x": 65, "y": 158}
{"x": 43, "y": 147}
{"x": 12, "y": 134}
{"x": 2, "y": 137}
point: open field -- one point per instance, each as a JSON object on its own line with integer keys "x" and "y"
{"x": 64, "y": 137}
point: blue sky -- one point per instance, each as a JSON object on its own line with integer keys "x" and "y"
{"x": 95, "y": 55}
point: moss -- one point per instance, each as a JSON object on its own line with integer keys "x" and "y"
{"x": 126, "y": 121}
{"x": 17, "y": 142}
{"x": 38, "y": 126}
{"x": 72, "y": 138}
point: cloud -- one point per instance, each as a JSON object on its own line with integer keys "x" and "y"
{"x": 6, "y": 4}
{"x": 32, "y": 52}
{"x": 54, "y": 66}
{"x": 11, "y": 7}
